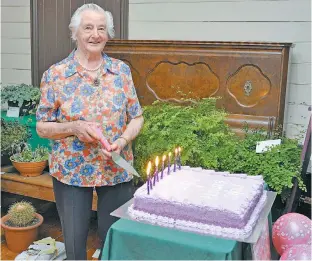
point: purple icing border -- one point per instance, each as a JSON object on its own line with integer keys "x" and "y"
{"x": 224, "y": 232}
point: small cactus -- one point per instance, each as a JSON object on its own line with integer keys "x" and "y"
{"x": 21, "y": 213}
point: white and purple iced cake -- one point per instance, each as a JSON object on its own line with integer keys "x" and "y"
{"x": 204, "y": 201}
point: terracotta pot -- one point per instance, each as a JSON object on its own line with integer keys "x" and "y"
{"x": 19, "y": 239}
{"x": 30, "y": 169}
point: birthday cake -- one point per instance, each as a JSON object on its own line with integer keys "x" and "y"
{"x": 203, "y": 201}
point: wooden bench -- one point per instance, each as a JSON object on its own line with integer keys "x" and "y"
{"x": 40, "y": 187}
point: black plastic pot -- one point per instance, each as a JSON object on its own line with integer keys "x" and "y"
{"x": 277, "y": 208}
{"x": 5, "y": 160}
{"x": 24, "y": 109}
{"x": 12, "y": 103}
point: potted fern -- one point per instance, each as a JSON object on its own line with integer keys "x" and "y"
{"x": 29, "y": 162}
{"x": 21, "y": 225}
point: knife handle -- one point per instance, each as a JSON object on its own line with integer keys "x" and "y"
{"x": 104, "y": 141}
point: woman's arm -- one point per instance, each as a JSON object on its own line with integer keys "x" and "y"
{"x": 85, "y": 131}
{"x": 132, "y": 130}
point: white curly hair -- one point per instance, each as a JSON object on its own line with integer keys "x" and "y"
{"x": 76, "y": 19}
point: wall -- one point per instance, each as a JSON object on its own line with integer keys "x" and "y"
{"x": 15, "y": 42}
{"x": 238, "y": 20}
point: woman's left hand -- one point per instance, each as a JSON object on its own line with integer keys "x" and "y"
{"x": 117, "y": 146}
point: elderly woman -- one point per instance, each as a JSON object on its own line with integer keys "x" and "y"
{"x": 85, "y": 91}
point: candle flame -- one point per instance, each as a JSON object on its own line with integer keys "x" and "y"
{"x": 157, "y": 161}
{"x": 149, "y": 166}
{"x": 164, "y": 158}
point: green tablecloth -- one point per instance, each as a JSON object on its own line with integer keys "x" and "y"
{"x": 130, "y": 240}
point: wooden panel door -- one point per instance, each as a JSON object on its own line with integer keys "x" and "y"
{"x": 51, "y": 40}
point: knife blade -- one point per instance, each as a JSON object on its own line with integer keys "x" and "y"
{"x": 115, "y": 156}
{"x": 124, "y": 164}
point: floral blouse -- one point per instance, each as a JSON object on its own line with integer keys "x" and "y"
{"x": 68, "y": 94}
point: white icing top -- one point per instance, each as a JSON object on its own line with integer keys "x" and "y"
{"x": 195, "y": 186}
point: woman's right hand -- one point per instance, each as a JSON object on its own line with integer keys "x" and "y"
{"x": 86, "y": 131}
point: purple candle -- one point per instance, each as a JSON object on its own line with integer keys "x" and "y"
{"x": 155, "y": 177}
{"x": 179, "y": 158}
{"x": 163, "y": 166}
{"x": 149, "y": 183}
{"x": 148, "y": 186}
{"x": 169, "y": 155}
{"x": 175, "y": 160}
{"x": 156, "y": 170}
{"x": 154, "y": 182}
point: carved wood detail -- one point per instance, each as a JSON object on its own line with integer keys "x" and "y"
{"x": 248, "y": 85}
{"x": 134, "y": 72}
{"x": 167, "y": 81}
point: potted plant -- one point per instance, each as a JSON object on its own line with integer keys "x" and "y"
{"x": 28, "y": 162}
{"x": 27, "y": 98}
{"x": 22, "y": 95}
{"x": 13, "y": 134}
{"x": 21, "y": 225}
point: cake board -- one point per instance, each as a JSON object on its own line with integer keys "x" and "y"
{"x": 122, "y": 212}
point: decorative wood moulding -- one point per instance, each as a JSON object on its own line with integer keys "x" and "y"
{"x": 248, "y": 93}
{"x": 167, "y": 81}
{"x": 249, "y": 77}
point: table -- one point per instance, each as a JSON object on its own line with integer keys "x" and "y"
{"x": 40, "y": 187}
{"x": 130, "y": 240}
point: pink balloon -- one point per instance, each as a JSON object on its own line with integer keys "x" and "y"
{"x": 289, "y": 230}
{"x": 298, "y": 252}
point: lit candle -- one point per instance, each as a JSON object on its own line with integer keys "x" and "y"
{"x": 163, "y": 166}
{"x": 179, "y": 158}
{"x": 156, "y": 163}
{"x": 156, "y": 171}
{"x": 175, "y": 160}
{"x": 169, "y": 155}
{"x": 149, "y": 165}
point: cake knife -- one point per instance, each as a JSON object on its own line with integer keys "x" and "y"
{"x": 115, "y": 156}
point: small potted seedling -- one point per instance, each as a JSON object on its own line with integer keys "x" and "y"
{"x": 29, "y": 162}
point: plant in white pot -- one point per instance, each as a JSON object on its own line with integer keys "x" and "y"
{"x": 21, "y": 225}
{"x": 30, "y": 163}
